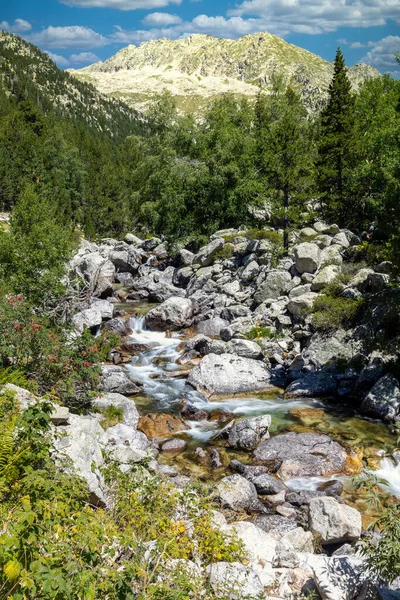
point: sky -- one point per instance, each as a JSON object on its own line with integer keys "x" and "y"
{"x": 76, "y": 33}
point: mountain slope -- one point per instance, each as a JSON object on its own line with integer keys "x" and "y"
{"x": 200, "y": 67}
{"x": 28, "y": 73}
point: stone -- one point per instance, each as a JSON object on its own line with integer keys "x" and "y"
{"x": 302, "y": 454}
{"x": 236, "y": 493}
{"x": 334, "y": 487}
{"x": 128, "y": 407}
{"x": 260, "y": 549}
{"x": 231, "y": 581}
{"x": 245, "y": 348}
{"x": 383, "y": 400}
{"x": 246, "y": 434}
{"x": 335, "y": 578}
{"x": 300, "y": 290}
{"x": 229, "y": 374}
{"x": 115, "y": 379}
{"x": 331, "y": 256}
{"x": 334, "y": 522}
{"x": 90, "y": 318}
{"x": 131, "y": 238}
{"x": 24, "y": 398}
{"x": 341, "y": 239}
{"x": 267, "y": 485}
{"x": 361, "y": 280}
{"x": 276, "y": 284}
{"x": 60, "y": 415}
{"x": 174, "y": 313}
{"x": 250, "y": 271}
{"x": 324, "y": 277}
{"x": 312, "y": 385}
{"x": 326, "y": 349}
{"x": 206, "y": 255}
{"x": 212, "y": 327}
{"x": 275, "y": 524}
{"x": 119, "y": 326}
{"x": 175, "y": 445}
{"x": 307, "y": 257}
{"x": 307, "y": 232}
{"x": 105, "y": 308}
{"x": 185, "y": 258}
{"x": 158, "y": 425}
{"x": 377, "y": 282}
{"x": 300, "y": 305}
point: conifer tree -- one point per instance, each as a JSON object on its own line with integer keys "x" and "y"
{"x": 334, "y": 161}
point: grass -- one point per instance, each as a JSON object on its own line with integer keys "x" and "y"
{"x": 112, "y": 415}
{"x": 259, "y": 332}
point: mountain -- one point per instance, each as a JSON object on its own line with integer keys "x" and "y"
{"x": 200, "y": 67}
{"x": 28, "y": 73}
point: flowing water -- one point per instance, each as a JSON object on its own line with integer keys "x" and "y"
{"x": 165, "y": 395}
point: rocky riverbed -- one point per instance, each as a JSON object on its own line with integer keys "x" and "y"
{"x": 221, "y": 375}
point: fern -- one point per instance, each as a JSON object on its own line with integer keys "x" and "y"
{"x": 6, "y": 445}
{"x": 16, "y": 377}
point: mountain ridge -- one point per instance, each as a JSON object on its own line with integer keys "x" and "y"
{"x": 200, "y": 67}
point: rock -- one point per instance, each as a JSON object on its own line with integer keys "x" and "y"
{"x": 300, "y": 290}
{"x": 131, "y": 238}
{"x": 377, "y": 282}
{"x": 383, "y": 401}
{"x": 335, "y": 578}
{"x": 80, "y": 441}
{"x": 260, "y": 549}
{"x": 324, "y": 350}
{"x": 24, "y": 398}
{"x": 307, "y": 257}
{"x": 236, "y": 493}
{"x": 331, "y": 256}
{"x": 215, "y": 459}
{"x": 122, "y": 435}
{"x": 212, "y": 327}
{"x": 118, "y": 326}
{"x": 128, "y": 407}
{"x": 206, "y": 255}
{"x": 182, "y": 276}
{"x": 105, "y": 308}
{"x": 302, "y": 454}
{"x": 89, "y": 318}
{"x": 250, "y": 271}
{"x": 174, "y": 313}
{"x": 267, "y": 485}
{"x": 312, "y": 385}
{"x": 60, "y": 416}
{"x": 333, "y": 487}
{"x": 333, "y": 522}
{"x": 325, "y": 276}
{"x": 300, "y": 305}
{"x": 341, "y": 239}
{"x": 245, "y": 348}
{"x": 246, "y": 434}
{"x": 158, "y": 425}
{"x": 115, "y": 379}
{"x": 175, "y": 445}
{"x": 276, "y": 284}
{"x": 185, "y": 258}
{"x": 229, "y": 374}
{"x": 307, "y": 232}
{"x": 361, "y": 280}
{"x": 231, "y": 581}
{"x": 275, "y": 524}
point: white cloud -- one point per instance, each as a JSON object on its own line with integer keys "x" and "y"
{"x": 160, "y": 19}
{"x": 121, "y": 4}
{"x": 137, "y": 36}
{"x": 346, "y": 42}
{"x": 84, "y": 58}
{"x": 74, "y": 36}
{"x": 19, "y": 26}
{"x": 60, "y": 61}
{"x": 233, "y": 27}
{"x": 317, "y": 16}
{"x": 382, "y": 53}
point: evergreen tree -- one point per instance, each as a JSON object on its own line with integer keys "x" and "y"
{"x": 335, "y": 146}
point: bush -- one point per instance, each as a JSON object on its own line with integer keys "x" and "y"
{"x": 259, "y": 332}
{"x": 330, "y": 313}
{"x": 225, "y": 253}
{"x": 112, "y": 415}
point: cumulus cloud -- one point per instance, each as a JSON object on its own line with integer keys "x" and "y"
{"x": 160, "y": 19}
{"x": 60, "y": 61}
{"x": 382, "y": 53}
{"x": 232, "y": 27}
{"x": 84, "y": 58}
{"x": 19, "y": 26}
{"x": 317, "y": 16}
{"x": 74, "y": 36}
{"x": 137, "y": 36}
{"x": 121, "y": 4}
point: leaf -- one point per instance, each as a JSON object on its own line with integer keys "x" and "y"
{"x": 12, "y": 570}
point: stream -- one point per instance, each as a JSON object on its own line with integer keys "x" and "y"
{"x": 370, "y": 438}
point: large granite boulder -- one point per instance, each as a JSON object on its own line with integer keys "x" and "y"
{"x": 174, "y": 313}
{"x": 302, "y": 454}
{"x": 229, "y": 374}
{"x": 301, "y": 304}
{"x": 231, "y": 581}
{"x": 383, "y": 400}
{"x": 312, "y": 385}
{"x": 324, "y": 277}
{"x": 307, "y": 257}
{"x": 115, "y": 379}
{"x": 334, "y": 522}
{"x": 276, "y": 284}
{"x": 206, "y": 255}
{"x": 128, "y": 407}
{"x": 90, "y": 318}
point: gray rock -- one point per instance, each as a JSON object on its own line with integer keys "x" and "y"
{"x": 231, "y": 581}
{"x": 206, "y": 255}
{"x": 302, "y": 454}
{"x": 115, "y": 379}
{"x": 251, "y": 271}
{"x": 324, "y": 277}
{"x": 131, "y": 238}
{"x": 383, "y": 401}
{"x": 174, "y": 313}
{"x": 245, "y": 348}
{"x": 335, "y": 578}
{"x": 377, "y": 281}
{"x": 236, "y": 493}
{"x": 276, "y": 284}
{"x": 119, "y": 326}
{"x": 182, "y": 276}
{"x": 312, "y": 385}
{"x": 105, "y": 308}
{"x": 300, "y": 290}
{"x": 174, "y": 445}
{"x": 213, "y": 326}
{"x": 246, "y": 434}
{"x": 361, "y": 280}
{"x": 128, "y": 407}
{"x": 299, "y": 306}
{"x": 323, "y": 350}
{"x": 275, "y": 523}
{"x": 229, "y": 374}
{"x": 266, "y": 485}
{"x": 332, "y": 256}
{"x": 307, "y": 257}
{"x": 87, "y": 319}
{"x": 334, "y": 522}
{"x": 341, "y": 240}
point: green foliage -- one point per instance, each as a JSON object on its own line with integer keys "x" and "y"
{"x": 225, "y": 253}
{"x": 112, "y": 415}
{"x": 259, "y": 332}
{"x": 330, "y": 312}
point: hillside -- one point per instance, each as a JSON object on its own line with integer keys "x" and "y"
{"x": 28, "y": 73}
{"x": 201, "y": 67}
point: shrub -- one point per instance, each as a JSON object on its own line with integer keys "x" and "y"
{"x": 336, "y": 286}
{"x": 262, "y": 234}
{"x": 259, "y": 332}
{"x": 225, "y": 253}
{"x": 330, "y": 313}
{"x": 112, "y": 415}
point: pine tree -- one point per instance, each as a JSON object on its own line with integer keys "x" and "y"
{"x": 334, "y": 162}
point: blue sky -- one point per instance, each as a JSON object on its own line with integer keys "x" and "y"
{"x": 80, "y": 32}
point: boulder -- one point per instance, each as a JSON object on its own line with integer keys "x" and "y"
{"x": 115, "y": 379}
{"x": 174, "y": 313}
{"x": 128, "y": 407}
{"x": 312, "y": 385}
{"x": 302, "y": 454}
{"x": 323, "y": 349}
{"x": 90, "y": 318}
{"x": 174, "y": 445}
{"x": 383, "y": 400}
{"x": 206, "y": 255}
{"x": 246, "y": 434}
{"x": 276, "y": 284}
{"x": 158, "y": 425}
{"x": 361, "y": 280}
{"x": 229, "y": 374}
{"x": 119, "y": 326}
{"x": 307, "y": 257}
{"x": 325, "y": 276}
{"x": 105, "y": 308}
{"x": 250, "y": 271}
{"x": 236, "y": 493}
{"x": 260, "y": 549}
{"x": 212, "y": 327}
{"x": 335, "y": 578}
{"x": 245, "y": 348}
{"x": 275, "y": 524}
{"x": 231, "y": 581}
{"x": 331, "y": 256}
{"x": 300, "y": 305}
{"x": 334, "y": 522}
